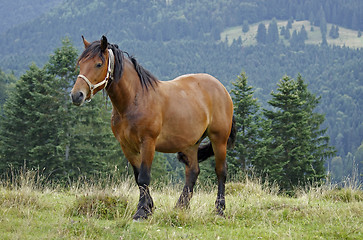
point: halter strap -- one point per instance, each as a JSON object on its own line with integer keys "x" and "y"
{"x": 109, "y": 75}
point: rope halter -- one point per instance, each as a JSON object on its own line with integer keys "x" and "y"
{"x": 109, "y": 75}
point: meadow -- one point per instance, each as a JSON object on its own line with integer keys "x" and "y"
{"x": 30, "y": 208}
{"x": 347, "y": 37}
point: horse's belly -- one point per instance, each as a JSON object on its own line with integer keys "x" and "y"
{"x": 179, "y": 139}
{"x": 173, "y": 145}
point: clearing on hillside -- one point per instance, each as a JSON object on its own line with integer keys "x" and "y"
{"x": 347, "y": 37}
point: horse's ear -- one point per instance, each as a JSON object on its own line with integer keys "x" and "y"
{"x": 103, "y": 43}
{"x": 85, "y": 42}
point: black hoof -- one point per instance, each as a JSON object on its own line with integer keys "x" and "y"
{"x": 220, "y": 212}
{"x": 142, "y": 214}
{"x": 220, "y": 206}
{"x": 182, "y": 205}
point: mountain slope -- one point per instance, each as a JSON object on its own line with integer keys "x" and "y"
{"x": 17, "y": 12}
{"x": 347, "y": 37}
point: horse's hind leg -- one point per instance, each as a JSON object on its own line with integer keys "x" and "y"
{"x": 189, "y": 158}
{"x": 221, "y": 171}
{"x": 219, "y": 144}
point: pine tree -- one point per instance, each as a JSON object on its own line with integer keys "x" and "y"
{"x": 5, "y": 81}
{"x": 303, "y": 35}
{"x": 272, "y": 32}
{"x": 287, "y": 34}
{"x": 245, "y": 26}
{"x": 261, "y": 36}
{"x": 247, "y": 121}
{"x": 29, "y": 126}
{"x": 296, "y": 149}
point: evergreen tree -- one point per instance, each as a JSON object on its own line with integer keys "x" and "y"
{"x": 289, "y": 23}
{"x": 245, "y": 26}
{"x": 324, "y": 42}
{"x": 261, "y": 36}
{"x": 295, "y": 151}
{"x": 247, "y": 122}
{"x": 320, "y": 149}
{"x": 287, "y": 34}
{"x": 322, "y": 21}
{"x": 283, "y": 30}
{"x": 29, "y": 133}
{"x": 272, "y": 32}
{"x": 303, "y": 35}
{"x": 334, "y": 32}
{"x": 5, "y": 81}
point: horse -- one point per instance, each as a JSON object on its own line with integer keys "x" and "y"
{"x": 150, "y": 115}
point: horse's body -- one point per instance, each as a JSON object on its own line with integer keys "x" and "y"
{"x": 149, "y": 115}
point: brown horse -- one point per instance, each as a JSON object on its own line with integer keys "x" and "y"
{"x": 149, "y": 115}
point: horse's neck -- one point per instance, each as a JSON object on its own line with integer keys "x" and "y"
{"x": 123, "y": 92}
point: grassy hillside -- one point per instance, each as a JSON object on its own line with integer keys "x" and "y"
{"x": 29, "y": 210}
{"x": 17, "y": 12}
{"x": 347, "y": 37}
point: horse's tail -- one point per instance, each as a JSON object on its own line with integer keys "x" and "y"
{"x": 205, "y": 151}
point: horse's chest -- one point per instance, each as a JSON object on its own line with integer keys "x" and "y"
{"x": 127, "y": 131}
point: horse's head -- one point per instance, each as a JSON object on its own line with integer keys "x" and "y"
{"x": 96, "y": 67}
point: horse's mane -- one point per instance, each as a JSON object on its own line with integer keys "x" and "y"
{"x": 147, "y": 79}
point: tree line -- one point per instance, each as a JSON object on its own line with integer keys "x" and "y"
{"x": 39, "y": 129}
{"x": 160, "y": 21}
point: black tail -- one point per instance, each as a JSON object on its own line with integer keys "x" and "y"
{"x": 205, "y": 151}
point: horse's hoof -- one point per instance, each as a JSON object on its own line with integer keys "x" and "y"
{"x": 220, "y": 213}
{"x": 182, "y": 205}
{"x": 141, "y": 214}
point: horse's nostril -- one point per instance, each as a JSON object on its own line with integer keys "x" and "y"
{"x": 80, "y": 95}
{"x": 77, "y": 98}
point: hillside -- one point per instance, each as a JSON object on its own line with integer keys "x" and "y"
{"x": 171, "y": 38}
{"x": 104, "y": 211}
{"x": 18, "y": 12}
{"x": 347, "y": 37}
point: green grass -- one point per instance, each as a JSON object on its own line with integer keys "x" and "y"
{"x": 254, "y": 211}
{"x": 347, "y": 37}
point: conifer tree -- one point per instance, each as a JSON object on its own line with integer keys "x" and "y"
{"x": 296, "y": 148}
{"x": 245, "y": 26}
{"x": 272, "y": 32}
{"x": 29, "y": 133}
{"x": 5, "y": 81}
{"x": 261, "y": 33}
{"x": 247, "y": 121}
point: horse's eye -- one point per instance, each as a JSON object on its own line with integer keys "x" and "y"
{"x": 98, "y": 65}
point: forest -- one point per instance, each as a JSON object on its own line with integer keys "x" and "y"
{"x": 171, "y": 38}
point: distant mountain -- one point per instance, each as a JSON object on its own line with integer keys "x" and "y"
{"x": 145, "y": 20}
{"x": 16, "y": 12}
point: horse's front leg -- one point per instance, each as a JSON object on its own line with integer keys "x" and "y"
{"x": 142, "y": 175}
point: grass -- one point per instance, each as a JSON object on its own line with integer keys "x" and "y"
{"x": 29, "y": 210}
{"x": 347, "y": 37}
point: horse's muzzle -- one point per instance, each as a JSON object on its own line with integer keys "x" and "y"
{"x": 77, "y": 98}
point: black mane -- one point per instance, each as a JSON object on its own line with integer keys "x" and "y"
{"x": 147, "y": 79}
